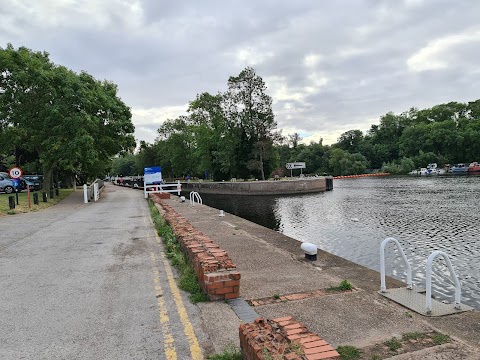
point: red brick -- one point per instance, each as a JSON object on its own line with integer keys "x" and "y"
{"x": 232, "y": 283}
{"x": 332, "y": 355}
{"x": 314, "y": 344}
{"x": 224, "y": 290}
{"x": 212, "y": 286}
{"x": 287, "y": 318}
{"x": 310, "y": 338}
{"x": 235, "y": 276}
{"x": 295, "y": 331}
{"x": 319, "y": 349}
{"x": 292, "y": 356}
{"x": 233, "y": 295}
{"x": 293, "y": 326}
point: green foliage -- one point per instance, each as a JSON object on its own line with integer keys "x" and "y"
{"x": 343, "y": 286}
{"x": 402, "y": 166}
{"x": 231, "y": 352}
{"x": 188, "y": 280}
{"x": 348, "y": 352}
{"x": 375, "y": 357}
{"x": 70, "y": 122}
{"x": 341, "y": 162}
{"x": 439, "y": 339}
{"x": 393, "y": 344}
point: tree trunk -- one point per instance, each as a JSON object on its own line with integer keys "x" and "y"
{"x": 261, "y": 163}
{"x": 47, "y": 178}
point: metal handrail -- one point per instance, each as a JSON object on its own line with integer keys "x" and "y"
{"x": 195, "y": 197}
{"x": 429, "y": 280}
{"x": 383, "y": 286}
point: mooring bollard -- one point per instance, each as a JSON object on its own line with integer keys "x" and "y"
{"x": 44, "y": 197}
{"x": 310, "y": 251}
{"x": 35, "y": 198}
{"x": 11, "y": 202}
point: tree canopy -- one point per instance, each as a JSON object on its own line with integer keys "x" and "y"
{"x": 68, "y": 122}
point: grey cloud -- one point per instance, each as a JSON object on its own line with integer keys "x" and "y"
{"x": 179, "y": 49}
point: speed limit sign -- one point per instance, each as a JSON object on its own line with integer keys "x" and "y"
{"x": 15, "y": 173}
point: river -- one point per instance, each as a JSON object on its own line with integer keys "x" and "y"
{"x": 423, "y": 214}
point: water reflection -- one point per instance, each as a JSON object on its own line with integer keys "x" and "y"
{"x": 424, "y": 214}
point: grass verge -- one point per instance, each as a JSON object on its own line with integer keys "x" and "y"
{"x": 231, "y": 352}
{"x": 22, "y": 206}
{"x": 188, "y": 280}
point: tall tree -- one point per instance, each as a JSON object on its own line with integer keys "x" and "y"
{"x": 250, "y": 108}
{"x": 74, "y": 123}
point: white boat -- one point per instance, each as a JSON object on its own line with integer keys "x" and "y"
{"x": 433, "y": 169}
{"x": 419, "y": 172}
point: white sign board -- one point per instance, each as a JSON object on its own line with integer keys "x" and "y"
{"x": 296, "y": 165}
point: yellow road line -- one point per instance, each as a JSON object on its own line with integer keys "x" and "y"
{"x": 168, "y": 345}
{"x": 195, "y": 349}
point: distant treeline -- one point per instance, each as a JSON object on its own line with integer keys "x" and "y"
{"x": 234, "y": 134}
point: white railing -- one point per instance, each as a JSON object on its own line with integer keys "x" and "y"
{"x": 162, "y": 188}
{"x": 429, "y": 280}
{"x": 92, "y": 192}
{"x": 383, "y": 286}
{"x": 195, "y": 197}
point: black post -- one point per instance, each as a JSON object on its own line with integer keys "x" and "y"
{"x": 57, "y": 191}
{"x": 35, "y": 198}
{"x": 44, "y": 195}
{"x": 51, "y": 194}
{"x": 11, "y": 202}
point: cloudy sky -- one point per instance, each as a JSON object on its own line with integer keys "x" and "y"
{"x": 330, "y": 66}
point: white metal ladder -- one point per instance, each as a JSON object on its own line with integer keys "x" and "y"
{"x": 383, "y": 286}
{"x": 195, "y": 198}
{"x": 431, "y": 258}
{"x": 429, "y": 280}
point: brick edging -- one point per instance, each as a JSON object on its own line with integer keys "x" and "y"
{"x": 283, "y": 338}
{"x": 215, "y": 270}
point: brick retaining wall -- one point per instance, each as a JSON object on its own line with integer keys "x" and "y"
{"x": 216, "y": 272}
{"x": 282, "y": 338}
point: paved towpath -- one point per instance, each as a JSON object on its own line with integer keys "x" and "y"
{"x": 90, "y": 281}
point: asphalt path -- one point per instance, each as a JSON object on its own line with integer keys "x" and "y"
{"x": 90, "y": 281}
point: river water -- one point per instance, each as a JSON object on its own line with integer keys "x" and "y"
{"x": 423, "y": 214}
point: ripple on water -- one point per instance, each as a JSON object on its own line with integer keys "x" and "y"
{"x": 423, "y": 214}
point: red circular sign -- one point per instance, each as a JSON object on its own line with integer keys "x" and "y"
{"x": 15, "y": 173}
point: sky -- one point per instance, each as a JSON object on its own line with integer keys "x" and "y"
{"x": 329, "y": 66}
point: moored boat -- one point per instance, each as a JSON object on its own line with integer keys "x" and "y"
{"x": 474, "y": 168}
{"x": 419, "y": 172}
{"x": 459, "y": 169}
{"x": 433, "y": 169}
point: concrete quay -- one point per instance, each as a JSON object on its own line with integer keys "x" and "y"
{"x": 273, "y": 265}
{"x": 284, "y": 187}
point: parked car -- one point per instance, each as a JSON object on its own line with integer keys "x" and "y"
{"x": 37, "y": 180}
{"x": 24, "y": 182}
{"x": 6, "y": 184}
